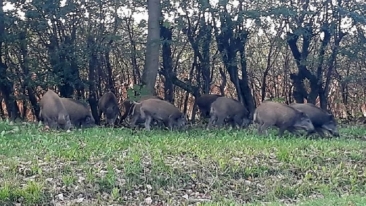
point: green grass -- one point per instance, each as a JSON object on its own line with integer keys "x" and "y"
{"x": 104, "y": 166}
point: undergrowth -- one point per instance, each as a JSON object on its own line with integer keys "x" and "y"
{"x": 105, "y": 166}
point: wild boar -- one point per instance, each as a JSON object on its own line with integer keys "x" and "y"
{"x": 281, "y": 116}
{"x": 128, "y": 105}
{"x": 224, "y": 108}
{"x": 79, "y": 112}
{"x": 204, "y": 103}
{"x": 108, "y": 105}
{"x": 53, "y": 112}
{"x": 159, "y": 110}
{"x": 321, "y": 119}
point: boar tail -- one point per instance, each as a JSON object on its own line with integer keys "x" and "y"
{"x": 40, "y": 114}
{"x": 212, "y": 110}
{"x": 142, "y": 113}
{"x": 255, "y": 116}
{"x": 134, "y": 107}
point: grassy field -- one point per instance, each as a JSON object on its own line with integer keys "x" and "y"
{"x": 104, "y": 166}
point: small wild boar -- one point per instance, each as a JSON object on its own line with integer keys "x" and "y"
{"x": 229, "y": 109}
{"x": 79, "y": 112}
{"x": 108, "y": 105}
{"x": 321, "y": 119}
{"x": 159, "y": 110}
{"x": 281, "y": 116}
{"x": 128, "y": 105}
{"x": 53, "y": 112}
{"x": 204, "y": 103}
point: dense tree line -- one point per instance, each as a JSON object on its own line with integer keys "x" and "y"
{"x": 299, "y": 51}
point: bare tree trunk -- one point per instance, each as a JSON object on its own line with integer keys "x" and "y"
{"x": 152, "y": 46}
{"x": 110, "y": 82}
{"x": 5, "y": 85}
{"x": 224, "y": 81}
{"x": 28, "y": 77}
{"x": 92, "y": 86}
{"x": 187, "y": 93}
{"x": 135, "y": 68}
{"x": 166, "y": 35}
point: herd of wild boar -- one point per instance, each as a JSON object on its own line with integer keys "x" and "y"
{"x": 67, "y": 113}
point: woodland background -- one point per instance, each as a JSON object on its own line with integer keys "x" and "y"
{"x": 300, "y": 50}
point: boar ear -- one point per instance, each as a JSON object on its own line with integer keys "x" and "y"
{"x": 303, "y": 114}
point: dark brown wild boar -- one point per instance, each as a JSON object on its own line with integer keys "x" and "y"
{"x": 53, "y": 112}
{"x": 224, "y": 108}
{"x": 321, "y": 119}
{"x": 204, "y": 103}
{"x": 128, "y": 105}
{"x": 281, "y": 116}
{"x": 79, "y": 112}
{"x": 159, "y": 110}
{"x": 108, "y": 105}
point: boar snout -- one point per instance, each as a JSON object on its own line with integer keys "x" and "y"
{"x": 67, "y": 125}
{"x": 332, "y": 129}
{"x": 111, "y": 122}
{"x": 89, "y": 122}
{"x": 246, "y": 122}
{"x": 306, "y": 124}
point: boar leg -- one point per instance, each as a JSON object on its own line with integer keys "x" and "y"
{"x": 232, "y": 122}
{"x": 281, "y": 130}
{"x": 100, "y": 115}
{"x": 110, "y": 122}
{"x": 320, "y": 131}
{"x": 293, "y": 131}
{"x": 134, "y": 120}
{"x": 238, "y": 121}
{"x": 68, "y": 125}
{"x": 204, "y": 114}
{"x": 114, "y": 120}
{"x": 211, "y": 122}
{"x": 173, "y": 121}
{"x": 148, "y": 120}
{"x": 263, "y": 127}
{"x": 309, "y": 133}
{"x": 245, "y": 123}
{"x": 170, "y": 124}
{"x": 51, "y": 123}
{"x": 220, "y": 122}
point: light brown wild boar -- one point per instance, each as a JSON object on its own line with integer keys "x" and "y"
{"x": 79, "y": 112}
{"x": 281, "y": 116}
{"x": 128, "y": 105}
{"x": 159, "y": 110}
{"x": 204, "y": 103}
{"x": 321, "y": 119}
{"x": 229, "y": 109}
{"x": 108, "y": 105}
{"x": 53, "y": 112}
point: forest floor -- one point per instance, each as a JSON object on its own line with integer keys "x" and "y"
{"x": 104, "y": 166}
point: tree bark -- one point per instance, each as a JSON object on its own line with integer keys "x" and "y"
{"x": 92, "y": 86}
{"x": 152, "y": 46}
{"x": 28, "y": 82}
{"x": 5, "y": 85}
{"x": 135, "y": 69}
{"x": 166, "y": 35}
